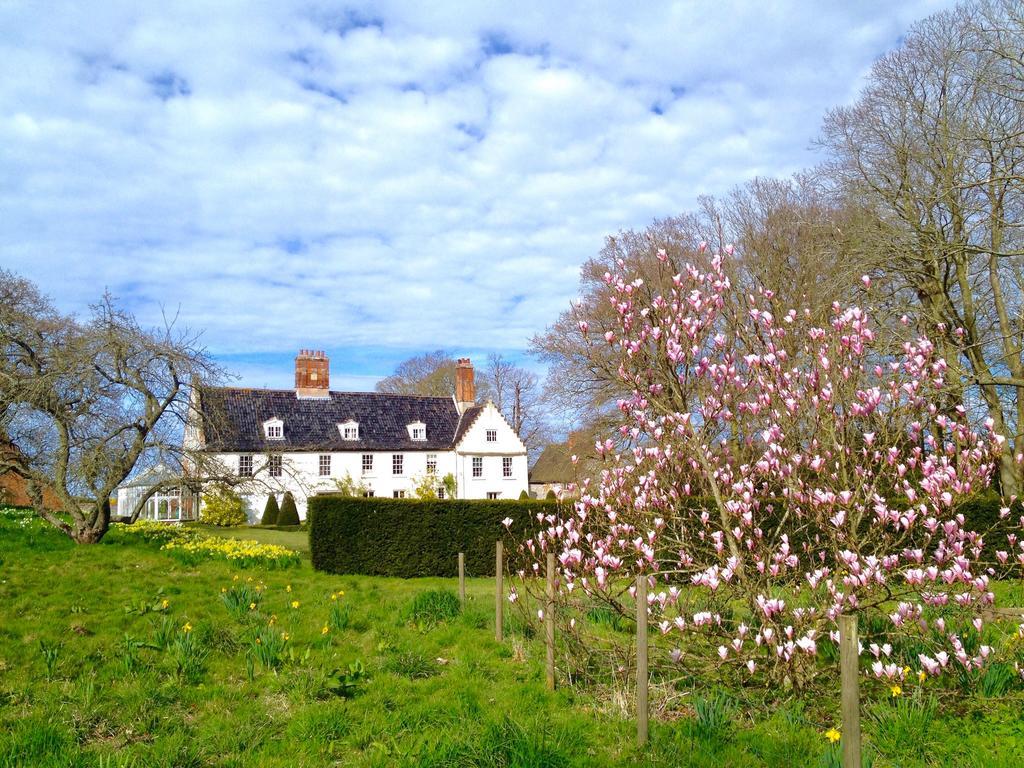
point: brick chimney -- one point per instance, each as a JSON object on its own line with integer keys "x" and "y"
{"x": 465, "y": 389}
{"x": 312, "y": 374}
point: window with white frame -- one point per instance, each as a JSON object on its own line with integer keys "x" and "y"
{"x": 478, "y": 466}
{"x": 325, "y": 465}
{"x": 349, "y": 430}
{"x": 492, "y": 435}
{"x": 273, "y": 429}
{"x": 506, "y": 466}
{"x": 398, "y": 494}
{"x": 367, "y": 463}
{"x": 245, "y": 466}
{"x": 397, "y": 464}
{"x": 417, "y": 430}
{"x": 274, "y": 466}
{"x": 440, "y": 491}
{"x": 431, "y": 463}
{"x": 494, "y": 495}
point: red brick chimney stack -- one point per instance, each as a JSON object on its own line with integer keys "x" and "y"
{"x": 312, "y": 374}
{"x": 465, "y": 389}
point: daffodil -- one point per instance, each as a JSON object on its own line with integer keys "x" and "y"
{"x": 921, "y": 675}
{"x": 288, "y": 588}
{"x": 252, "y": 606}
{"x": 164, "y": 604}
{"x": 324, "y": 630}
{"x": 895, "y": 690}
{"x": 187, "y": 628}
{"x": 832, "y": 735}
{"x": 285, "y": 636}
{"x": 295, "y": 603}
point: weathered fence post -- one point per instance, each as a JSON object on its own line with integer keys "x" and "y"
{"x": 462, "y": 580}
{"x": 641, "y": 660}
{"x": 549, "y": 623}
{"x": 849, "y": 665}
{"x": 499, "y": 601}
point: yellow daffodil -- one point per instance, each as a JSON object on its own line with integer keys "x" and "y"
{"x": 273, "y": 620}
{"x": 334, "y": 595}
{"x": 223, "y": 590}
{"x": 235, "y": 577}
{"x": 252, "y": 606}
{"x": 285, "y": 635}
{"x": 258, "y": 641}
{"x": 325, "y": 630}
{"x": 288, "y": 588}
{"x": 895, "y": 690}
{"x": 165, "y": 603}
{"x": 295, "y": 603}
{"x": 832, "y": 735}
{"x": 187, "y": 628}
{"x": 921, "y": 676}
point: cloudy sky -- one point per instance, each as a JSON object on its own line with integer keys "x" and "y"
{"x": 387, "y": 178}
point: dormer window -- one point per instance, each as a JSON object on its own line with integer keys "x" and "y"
{"x": 349, "y": 430}
{"x": 417, "y": 430}
{"x": 274, "y": 429}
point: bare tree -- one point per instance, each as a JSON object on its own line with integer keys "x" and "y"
{"x": 516, "y": 392}
{"x": 432, "y": 373}
{"x": 933, "y": 151}
{"x": 82, "y": 401}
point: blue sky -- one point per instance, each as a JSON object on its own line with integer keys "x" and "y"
{"x": 382, "y": 179}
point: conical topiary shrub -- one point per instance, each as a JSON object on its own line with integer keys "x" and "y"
{"x": 523, "y": 496}
{"x": 551, "y": 496}
{"x": 271, "y": 512}
{"x": 289, "y": 514}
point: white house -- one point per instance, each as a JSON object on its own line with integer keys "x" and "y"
{"x": 308, "y": 439}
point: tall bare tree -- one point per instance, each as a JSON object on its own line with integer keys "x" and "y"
{"x": 516, "y": 392}
{"x": 82, "y": 401}
{"x": 933, "y": 152}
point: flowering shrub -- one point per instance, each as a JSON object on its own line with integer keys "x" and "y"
{"x": 222, "y": 506}
{"x": 755, "y": 485}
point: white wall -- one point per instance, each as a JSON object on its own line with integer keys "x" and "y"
{"x": 300, "y": 475}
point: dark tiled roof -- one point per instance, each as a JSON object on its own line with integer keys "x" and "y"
{"x": 233, "y": 420}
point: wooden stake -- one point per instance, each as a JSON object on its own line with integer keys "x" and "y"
{"x": 549, "y": 623}
{"x": 642, "y": 681}
{"x": 462, "y": 580}
{"x": 499, "y": 596}
{"x": 849, "y": 666}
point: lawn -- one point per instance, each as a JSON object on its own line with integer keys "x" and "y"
{"x": 118, "y": 655}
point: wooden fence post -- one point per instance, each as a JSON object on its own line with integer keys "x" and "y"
{"x": 462, "y": 580}
{"x": 642, "y": 681}
{"x": 549, "y": 623}
{"x": 849, "y": 665}
{"x": 499, "y": 597}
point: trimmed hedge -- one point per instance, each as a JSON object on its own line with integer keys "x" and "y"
{"x": 289, "y": 514}
{"x": 271, "y": 511}
{"x": 409, "y": 538}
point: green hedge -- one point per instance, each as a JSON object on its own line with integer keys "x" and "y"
{"x": 409, "y": 538}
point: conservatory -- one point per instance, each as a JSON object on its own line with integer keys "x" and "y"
{"x": 169, "y": 503}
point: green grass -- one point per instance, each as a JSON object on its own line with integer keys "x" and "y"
{"x": 95, "y": 671}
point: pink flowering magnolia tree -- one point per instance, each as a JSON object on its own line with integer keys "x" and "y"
{"x": 773, "y": 474}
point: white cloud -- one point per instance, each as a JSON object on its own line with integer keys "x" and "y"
{"x": 395, "y": 176}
